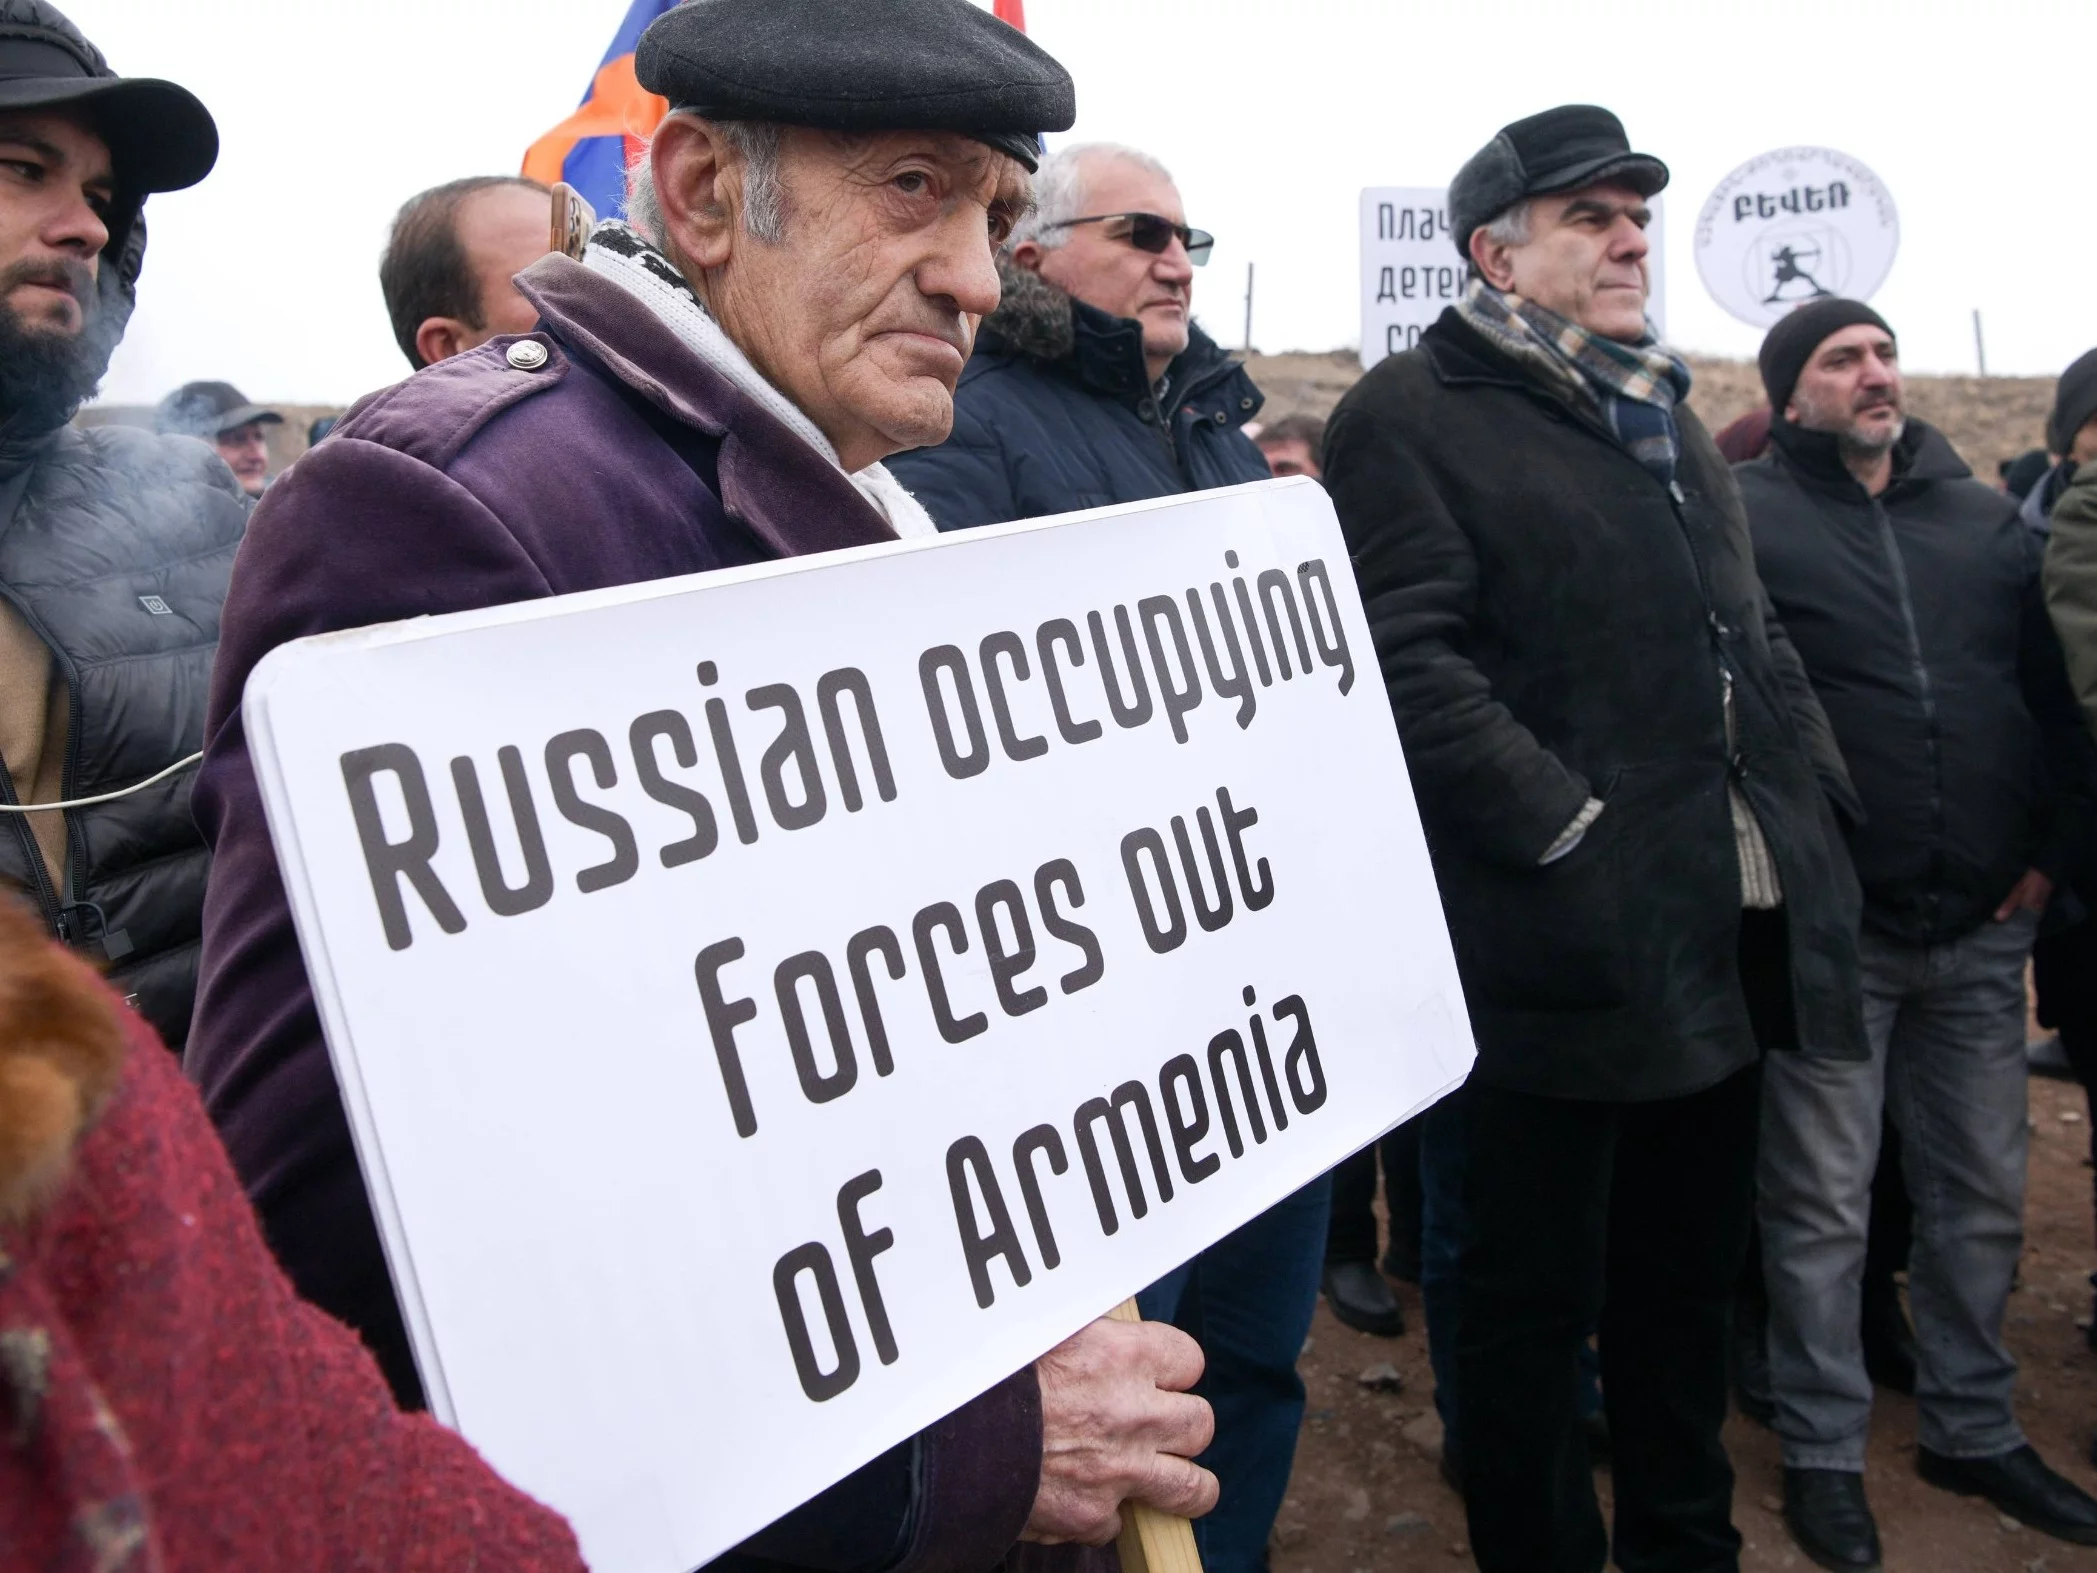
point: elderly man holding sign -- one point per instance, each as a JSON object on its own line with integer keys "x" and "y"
{"x": 714, "y": 386}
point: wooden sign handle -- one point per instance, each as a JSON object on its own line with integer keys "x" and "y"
{"x": 1153, "y": 1542}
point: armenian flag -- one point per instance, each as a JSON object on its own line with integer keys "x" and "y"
{"x": 592, "y": 147}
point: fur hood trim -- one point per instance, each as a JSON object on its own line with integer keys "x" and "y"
{"x": 1034, "y": 318}
{"x": 62, "y": 1049}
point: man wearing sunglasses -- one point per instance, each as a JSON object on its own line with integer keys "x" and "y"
{"x": 1090, "y": 383}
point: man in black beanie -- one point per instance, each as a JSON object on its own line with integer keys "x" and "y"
{"x": 1625, "y": 782}
{"x": 1912, "y": 593}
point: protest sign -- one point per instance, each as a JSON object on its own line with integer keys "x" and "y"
{"x": 774, "y": 1006}
{"x": 1795, "y": 225}
{"x": 1412, "y": 270}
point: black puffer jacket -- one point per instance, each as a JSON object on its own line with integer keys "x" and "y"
{"x": 1554, "y": 623}
{"x": 117, "y": 554}
{"x": 1054, "y": 413}
{"x": 1921, "y": 621}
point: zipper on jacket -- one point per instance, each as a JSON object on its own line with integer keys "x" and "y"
{"x": 1736, "y": 766}
{"x": 1925, "y": 692}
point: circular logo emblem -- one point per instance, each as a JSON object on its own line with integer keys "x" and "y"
{"x": 527, "y": 355}
{"x": 1793, "y": 226}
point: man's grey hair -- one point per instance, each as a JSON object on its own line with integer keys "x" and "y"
{"x": 756, "y": 142}
{"x": 1059, "y": 190}
{"x": 1512, "y": 227}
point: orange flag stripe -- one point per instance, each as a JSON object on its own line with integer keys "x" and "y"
{"x": 618, "y": 106}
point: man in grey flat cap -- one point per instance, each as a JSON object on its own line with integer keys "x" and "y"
{"x": 714, "y": 385}
{"x": 1629, "y": 791}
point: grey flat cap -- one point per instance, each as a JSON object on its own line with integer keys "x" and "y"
{"x": 208, "y": 409}
{"x": 859, "y": 65}
{"x": 1561, "y": 149}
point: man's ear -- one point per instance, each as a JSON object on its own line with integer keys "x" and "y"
{"x": 1027, "y": 254}
{"x": 440, "y": 338}
{"x": 1491, "y": 259}
{"x": 699, "y": 185}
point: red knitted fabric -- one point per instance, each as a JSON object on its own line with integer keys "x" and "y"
{"x": 167, "y": 1402}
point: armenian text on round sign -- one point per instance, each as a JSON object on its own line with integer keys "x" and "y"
{"x": 1796, "y": 225}
{"x": 869, "y": 968}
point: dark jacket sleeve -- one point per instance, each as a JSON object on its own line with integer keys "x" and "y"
{"x": 2071, "y": 585}
{"x": 1482, "y": 774}
{"x": 2067, "y": 751}
{"x": 953, "y": 1499}
{"x": 965, "y": 481}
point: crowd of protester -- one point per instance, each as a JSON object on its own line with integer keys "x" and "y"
{"x": 1755, "y": 772}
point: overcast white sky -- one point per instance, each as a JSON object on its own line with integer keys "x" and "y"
{"x": 1272, "y": 116}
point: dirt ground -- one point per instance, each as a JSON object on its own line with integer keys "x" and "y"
{"x": 1366, "y": 1494}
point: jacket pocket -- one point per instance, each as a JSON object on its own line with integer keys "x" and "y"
{"x": 1543, "y": 938}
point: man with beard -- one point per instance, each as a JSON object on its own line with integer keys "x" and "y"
{"x": 115, "y": 544}
{"x": 1911, "y": 591}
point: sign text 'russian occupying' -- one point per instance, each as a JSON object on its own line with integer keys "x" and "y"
{"x": 775, "y": 1006}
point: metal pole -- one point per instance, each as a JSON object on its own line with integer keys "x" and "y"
{"x": 1248, "y": 308}
{"x": 1980, "y": 345}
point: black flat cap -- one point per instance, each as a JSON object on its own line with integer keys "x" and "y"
{"x": 207, "y": 409}
{"x": 859, "y": 65}
{"x": 161, "y": 138}
{"x": 1561, "y": 149}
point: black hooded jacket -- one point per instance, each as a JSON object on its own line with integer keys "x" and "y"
{"x": 115, "y": 548}
{"x": 1919, "y": 617}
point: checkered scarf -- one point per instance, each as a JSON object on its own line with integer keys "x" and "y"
{"x": 1634, "y": 386}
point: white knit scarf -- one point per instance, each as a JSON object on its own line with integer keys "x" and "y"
{"x": 621, "y": 255}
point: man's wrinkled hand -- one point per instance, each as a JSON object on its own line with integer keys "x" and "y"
{"x": 2029, "y": 894}
{"x": 1118, "y": 1425}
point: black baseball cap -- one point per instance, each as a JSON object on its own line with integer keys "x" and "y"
{"x": 1561, "y": 149}
{"x": 160, "y": 136}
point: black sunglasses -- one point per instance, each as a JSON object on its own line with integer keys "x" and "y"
{"x": 1149, "y": 232}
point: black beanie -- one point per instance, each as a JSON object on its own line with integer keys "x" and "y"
{"x": 2074, "y": 402}
{"x": 1791, "y": 343}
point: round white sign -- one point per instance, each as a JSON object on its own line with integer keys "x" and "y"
{"x": 1793, "y": 226}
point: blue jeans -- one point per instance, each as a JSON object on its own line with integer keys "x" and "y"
{"x": 1247, "y": 1300}
{"x": 1946, "y": 1025}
